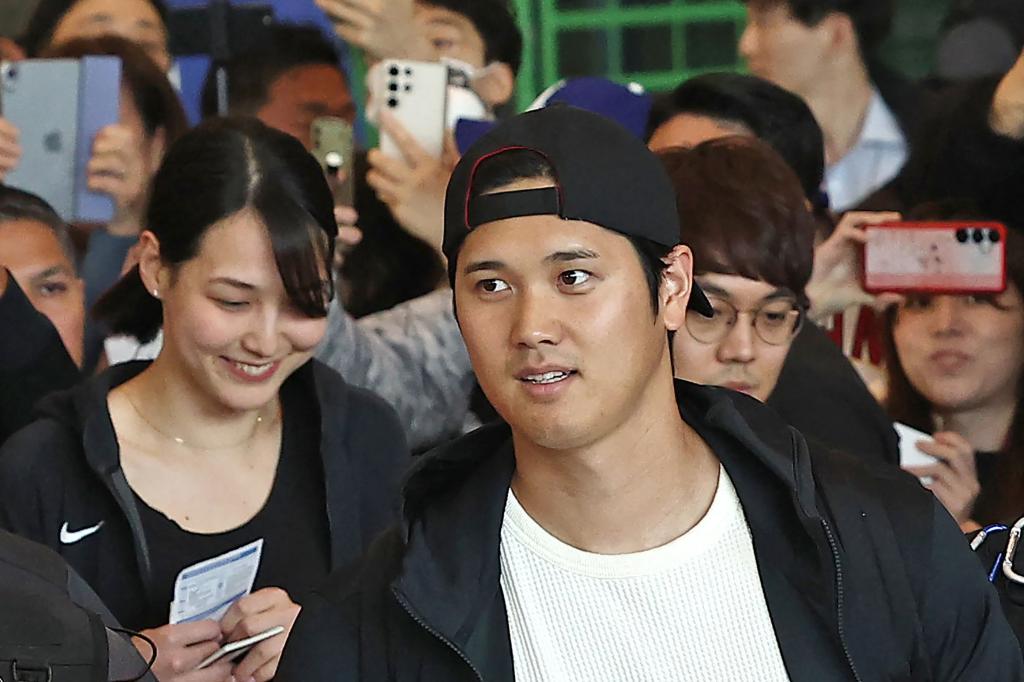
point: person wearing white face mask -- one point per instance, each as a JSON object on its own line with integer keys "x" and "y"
{"x": 480, "y": 38}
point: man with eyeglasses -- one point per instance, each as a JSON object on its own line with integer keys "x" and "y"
{"x": 752, "y": 235}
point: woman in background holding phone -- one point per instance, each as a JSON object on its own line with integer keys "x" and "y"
{"x": 956, "y": 369}
{"x": 233, "y": 434}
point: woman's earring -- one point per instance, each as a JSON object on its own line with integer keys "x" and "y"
{"x": 156, "y": 294}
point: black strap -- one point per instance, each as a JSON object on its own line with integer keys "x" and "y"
{"x": 488, "y": 208}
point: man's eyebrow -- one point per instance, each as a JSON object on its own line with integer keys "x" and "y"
{"x": 231, "y": 282}
{"x": 575, "y": 254}
{"x": 48, "y": 273}
{"x": 483, "y": 265}
{"x": 780, "y": 292}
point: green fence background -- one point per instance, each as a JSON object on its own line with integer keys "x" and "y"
{"x": 659, "y": 43}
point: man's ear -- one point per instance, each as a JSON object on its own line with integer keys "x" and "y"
{"x": 841, "y": 33}
{"x": 496, "y": 84}
{"x": 676, "y": 285}
{"x": 156, "y": 276}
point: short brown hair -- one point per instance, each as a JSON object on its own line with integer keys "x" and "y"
{"x": 743, "y": 212}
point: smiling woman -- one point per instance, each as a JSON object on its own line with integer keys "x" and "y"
{"x": 233, "y": 435}
{"x": 957, "y": 369}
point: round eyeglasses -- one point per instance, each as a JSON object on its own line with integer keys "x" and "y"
{"x": 776, "y": 322}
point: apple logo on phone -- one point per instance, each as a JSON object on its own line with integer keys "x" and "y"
{"x": 53, "y": 142}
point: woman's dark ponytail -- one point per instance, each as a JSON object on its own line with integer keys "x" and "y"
{"x": 127, "y": 308}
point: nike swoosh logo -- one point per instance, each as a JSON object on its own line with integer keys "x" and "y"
{"x": 70, "y": 537}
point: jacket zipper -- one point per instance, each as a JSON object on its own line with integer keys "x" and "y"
{"x": 839, "y": 599}
{"x": 437, "y": 635}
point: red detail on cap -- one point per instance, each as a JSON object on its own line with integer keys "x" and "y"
{"x": 476, "y": 166}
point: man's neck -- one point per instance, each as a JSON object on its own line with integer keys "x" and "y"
{"x": 640, "y": 487}
{"x": 840, "y": 101}
{"x": 985, "y": 428}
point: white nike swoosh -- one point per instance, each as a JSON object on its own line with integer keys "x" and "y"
{"x": 68, "y": 537}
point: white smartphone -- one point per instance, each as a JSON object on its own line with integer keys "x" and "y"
{"x": 910, "y": 454}
{"x": 236, "y": 649}
{"x": 416, "y": 94}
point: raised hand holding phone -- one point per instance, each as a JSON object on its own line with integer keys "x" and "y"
{"x": 10, "y": 150}
{"x": 381, "y": 28}
{"x": 1007, "y": 114}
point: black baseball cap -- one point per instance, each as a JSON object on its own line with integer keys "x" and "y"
{"x": 604, "y": 175}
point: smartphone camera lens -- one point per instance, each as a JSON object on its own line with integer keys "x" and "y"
{"x": 993, "y": 236}
{"x": 408, "y": 88}
{"x": 392, "y": 102}
{"x": 393, "y": 86}
{"x": 408, "y": 71}
{"x": 393, "y": 71}
{"x": 978, "y": 236}
{"x": 961, "y": 236}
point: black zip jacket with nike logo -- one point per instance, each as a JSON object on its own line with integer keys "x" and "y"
{"x": 866, "y": 577}
{"x": 61, "y": 482}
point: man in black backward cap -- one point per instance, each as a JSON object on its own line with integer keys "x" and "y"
{"x": 620, "y": 525}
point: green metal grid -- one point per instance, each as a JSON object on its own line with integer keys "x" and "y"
{"x": 656, "y": 44}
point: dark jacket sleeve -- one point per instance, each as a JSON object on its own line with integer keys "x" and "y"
{"x": 322, "y": 645}
{"x": 374, "y": 428}
{"x": 965, "y": 631}
{"x": 820, "y": 393}
{"x": 31, "y": 482}
{"x": 33, "y": 360}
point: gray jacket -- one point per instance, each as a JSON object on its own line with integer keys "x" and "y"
{"x": 413, "y": 356}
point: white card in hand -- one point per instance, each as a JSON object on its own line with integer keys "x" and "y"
{"x": 208, "y": 589}
{"x": 910, "y": 454}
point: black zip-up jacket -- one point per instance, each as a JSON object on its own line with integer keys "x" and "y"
{"x": 62, "y": 472}
{"x": 866, "y": 577}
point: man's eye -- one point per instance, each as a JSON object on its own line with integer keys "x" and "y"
{"x": 492, "y": 286}
{"x": 52, "y": 288}
{"x": 443, "y": 45}
{"x": 574, "y": 278}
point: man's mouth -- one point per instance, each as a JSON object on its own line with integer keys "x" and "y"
{"x": 552, "y": 377}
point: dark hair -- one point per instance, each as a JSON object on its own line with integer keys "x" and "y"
{"x": 496, "y": 24}
{"x": 519, "y": 164}
{"x": 155, "y": 99}
{"x": 872, "y": 19}
{"x": 212, "y": 173}
{"x": 904, "y": 403}
{"x": 16, "y": 204}
{"x": 773, "y": 114}
{"x": 389, "y": 265}
{"x": 251, "y": 74}
{"x": 742, "y": 213}
{"x": 49, "y": 13}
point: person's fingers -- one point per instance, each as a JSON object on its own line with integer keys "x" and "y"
{"x": 217, "y": 672}
{"x": 267, "y": 651}
{"x": 249, "y": 606}
{"x": 406, "y": 143}
{"x": 885, "y": 301}
{"x": 9, "y": 132}
{"x": 346, "y": 215}
{"x": 268, "y": 671}
{"x": 933, "y": 471}
{"x": 351, "y": 12}
{"x": 451, "y": 155}
{"x": 106, "y": 165}
{"x": 349, "y": 236}
{"x": 398, "y": 170}
{"x": 187, "y": 634}
{"x": 861, "y": 218}
{"x": 387, "y": 190}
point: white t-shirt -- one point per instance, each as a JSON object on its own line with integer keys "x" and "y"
{"x": 693, "y": 609}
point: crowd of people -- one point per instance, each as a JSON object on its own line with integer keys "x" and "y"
{"x": 596, "y": 393}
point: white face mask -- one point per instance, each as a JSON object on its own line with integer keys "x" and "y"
{"x": 462, "y": 100}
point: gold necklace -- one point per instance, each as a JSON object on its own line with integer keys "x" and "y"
{"x": 182, "y": 441}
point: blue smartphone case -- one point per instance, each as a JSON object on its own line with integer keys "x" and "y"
{"x": 58, "y": 106}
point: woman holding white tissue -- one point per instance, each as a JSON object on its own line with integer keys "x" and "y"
{"x": 232, "y": 466}
{"x": 955, "y": 370}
